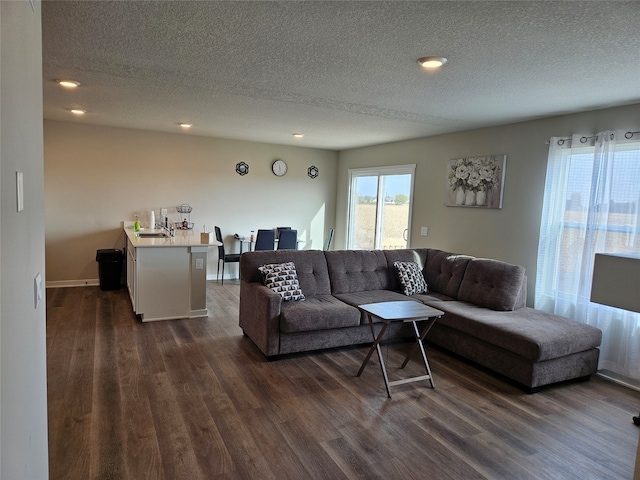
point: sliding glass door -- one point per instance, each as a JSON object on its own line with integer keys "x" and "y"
{"x": 379, "y": 215}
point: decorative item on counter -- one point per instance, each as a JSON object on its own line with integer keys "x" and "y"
{"x": 136, "y": 224}
{"x": 206, "y": 236}
{"x": 152, "y": 219}
{"x": 253, "y": 236}
{"x": 186, "y": 224}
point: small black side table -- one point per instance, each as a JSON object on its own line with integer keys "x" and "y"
{"x": 403, "y": 311}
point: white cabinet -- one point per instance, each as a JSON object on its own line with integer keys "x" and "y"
{"x": 166, "y": 280}
{"x": 131, "y": 272}
{"x": 161, "y": 285}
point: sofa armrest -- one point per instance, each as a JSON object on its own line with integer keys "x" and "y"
{"x": 521, "y": 302}
{"x": 260, "y": 316}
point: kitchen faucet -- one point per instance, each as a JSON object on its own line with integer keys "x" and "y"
{"x": 170, "y": 230}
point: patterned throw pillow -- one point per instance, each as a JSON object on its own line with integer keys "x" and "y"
{"x": 411, "y": 278}
{"x": 282, "y": 279}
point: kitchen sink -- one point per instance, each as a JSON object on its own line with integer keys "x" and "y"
{"x": 152, "y": 235}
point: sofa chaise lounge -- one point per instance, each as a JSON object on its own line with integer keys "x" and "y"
{"x": 486, "y": 318}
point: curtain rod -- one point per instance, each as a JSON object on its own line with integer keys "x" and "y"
{"x": 561, "y": 141}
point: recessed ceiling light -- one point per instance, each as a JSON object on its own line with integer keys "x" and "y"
{"x": 432, "y": 62}
{"x": 298, "y": 135}
{"x": 77, "y": 111}
{"x": 68, "y": 83}
{"x": 186, "y": 125}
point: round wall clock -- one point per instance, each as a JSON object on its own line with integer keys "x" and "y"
{"x": 279, "y": 168}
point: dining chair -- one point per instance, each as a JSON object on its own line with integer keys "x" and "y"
{"x": 279, "y": 229}
{"x": 222, "y": 256}
{"x": 265, "y": 240}
{"x": 288, "y": 240}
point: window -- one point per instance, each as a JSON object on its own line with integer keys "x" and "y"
{"x": 591, "y": 205}
{"x": 379, "y": 213}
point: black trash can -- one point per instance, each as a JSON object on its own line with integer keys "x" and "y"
{"x": 109, "y": 268}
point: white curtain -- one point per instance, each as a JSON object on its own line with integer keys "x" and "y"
{"x": 591, "y": 205}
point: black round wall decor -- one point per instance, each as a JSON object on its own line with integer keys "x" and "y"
{"x": 242, "y": 168}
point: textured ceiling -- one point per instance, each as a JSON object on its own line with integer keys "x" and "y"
{"x": 344, "y": 73}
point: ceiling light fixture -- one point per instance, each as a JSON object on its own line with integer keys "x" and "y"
{"x": 77, "y": 111}
{"x": 186, "y": 125}
{"x": 68, "y": 83}
{"x": 432, "y": 62}
{"x": 298, "y": 135}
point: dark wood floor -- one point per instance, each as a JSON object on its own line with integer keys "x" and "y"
{"x": 190, "y": 399}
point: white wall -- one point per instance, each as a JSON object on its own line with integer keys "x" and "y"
{"x": 510, "y": 234}
{"x": 23, "y": 397}
{"x": 95, "y": 177}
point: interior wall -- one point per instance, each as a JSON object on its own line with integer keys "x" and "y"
{"x": 96, "y": 177}
{"x": 23, "y": 371}
{"x": 509, "y": 234}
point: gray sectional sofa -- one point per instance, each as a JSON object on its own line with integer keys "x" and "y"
{"x": 486, "y": 318}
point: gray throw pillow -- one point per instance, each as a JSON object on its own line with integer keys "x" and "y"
{"x": 411, "y": 278}
{"x": 282, "y": 278}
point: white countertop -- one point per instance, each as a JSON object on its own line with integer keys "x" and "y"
{"x": 183, "y": 238}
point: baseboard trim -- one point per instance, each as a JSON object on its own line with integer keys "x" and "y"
{"x": 619, "y": 379}
{"x": 90, "y": 282}
{"x": 94, "y": 282}
{"x": 213, "y": 278}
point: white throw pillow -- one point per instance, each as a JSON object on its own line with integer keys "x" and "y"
{"x": 282, "y": 278}
{"x": 411, "y": 278}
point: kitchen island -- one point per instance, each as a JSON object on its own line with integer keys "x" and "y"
{"x": 166, "y": 276}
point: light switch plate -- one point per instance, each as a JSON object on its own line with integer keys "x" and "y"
{"x": 424, "y": 231}
{"x": 37, "y": 290}
{"x": 20, "y": 190}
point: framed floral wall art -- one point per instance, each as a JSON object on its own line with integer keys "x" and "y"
{"x": 475, "y": 182}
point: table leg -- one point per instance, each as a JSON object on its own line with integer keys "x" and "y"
{"x": 376, "y": 344}
{"x": 419, "y": 338}
{"x": 384, "y": 369}
{"x": 430, "y": 323}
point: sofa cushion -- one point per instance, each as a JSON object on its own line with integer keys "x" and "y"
{"x": 311, "y": 268}
{"x": 372, "y": 296}
{"x": 411, "y": 277}
{"x": 357, "y": 270}
{"x": 492, "y": 284}
{"x": 444, "y": 271}
{"x": 432, "y": 298}
{"x": 527, "y": 332}
{"x": 320, "y": 312}
{"x": 282, "y": 279}
{"x": 416, "y": 255}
